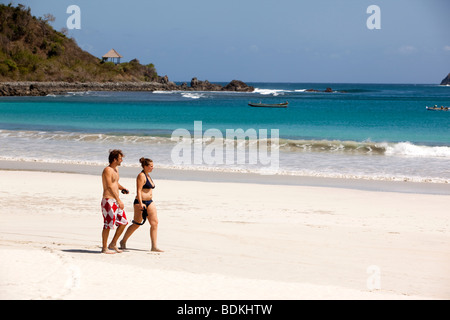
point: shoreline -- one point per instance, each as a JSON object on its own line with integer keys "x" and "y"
{"x": 36, "y": 88}
{"x": 234, "y": 177}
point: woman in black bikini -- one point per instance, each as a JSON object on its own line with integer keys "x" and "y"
{"x": 143, "y": 205}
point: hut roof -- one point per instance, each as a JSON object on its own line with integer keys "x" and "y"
{"x": 112, "y": 54}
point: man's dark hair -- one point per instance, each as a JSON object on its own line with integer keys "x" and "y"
{"x": 114, "y": 154}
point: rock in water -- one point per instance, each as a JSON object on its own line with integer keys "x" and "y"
{"x": 237, "y": 85}
{"x": 446, "y": 81}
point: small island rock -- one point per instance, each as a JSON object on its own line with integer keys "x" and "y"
{"x": 446, "y": 81}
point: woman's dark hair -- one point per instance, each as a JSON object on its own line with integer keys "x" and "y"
{"x": 145, "y": 162}
{"x": 114, "y": 154}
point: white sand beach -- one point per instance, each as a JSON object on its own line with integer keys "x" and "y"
{"x": 223, "y": 241}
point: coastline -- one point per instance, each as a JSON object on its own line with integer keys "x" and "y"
{"x": 222, "y": 240}
{"x": 232, "y": 177}
{"x": 35, "y": 88}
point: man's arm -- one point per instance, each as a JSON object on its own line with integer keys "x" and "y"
{"x": 123, "y": 189}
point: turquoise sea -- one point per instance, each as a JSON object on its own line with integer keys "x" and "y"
{"x": 362, "y": 131}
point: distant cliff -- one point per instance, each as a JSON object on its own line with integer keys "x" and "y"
{"x": 446, "y": 81}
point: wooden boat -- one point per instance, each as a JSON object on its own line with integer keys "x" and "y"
{"x": 437, "y": 108}
{"x": 265, "y": 105}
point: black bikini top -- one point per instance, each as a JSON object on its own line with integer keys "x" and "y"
{"x": 148, "y": 184}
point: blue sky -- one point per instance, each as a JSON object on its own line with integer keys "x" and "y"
{"x": 267, "y": 40}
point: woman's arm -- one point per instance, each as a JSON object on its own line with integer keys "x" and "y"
{"x": 140, "y": 181}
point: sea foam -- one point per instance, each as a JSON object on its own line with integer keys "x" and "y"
{"x": 193, "y": 95}
{"x": 412, "y": 150}
{"x": 274, "y": 92}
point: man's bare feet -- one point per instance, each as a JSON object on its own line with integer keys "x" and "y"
{"x": 156, "y": 250}
{"x": 123, "y": 245}
{"x": 107, "y": 251}
{"x": 114, "y": 247}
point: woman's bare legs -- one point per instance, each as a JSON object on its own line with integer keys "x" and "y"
{"x": 153, "y": 219}
{"x": 133, "y": 227}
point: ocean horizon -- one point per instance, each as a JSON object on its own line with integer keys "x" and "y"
{"x": 357, "y": 131}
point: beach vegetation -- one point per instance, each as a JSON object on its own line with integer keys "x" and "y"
{"x": 31, "y": 50}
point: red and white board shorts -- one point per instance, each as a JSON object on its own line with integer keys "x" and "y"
{"x": 112, "y": 214}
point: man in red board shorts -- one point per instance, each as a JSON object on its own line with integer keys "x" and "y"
{"x": 112, "y": 207}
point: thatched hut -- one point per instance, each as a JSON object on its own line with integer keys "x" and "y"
{"x": 112, "y": 55}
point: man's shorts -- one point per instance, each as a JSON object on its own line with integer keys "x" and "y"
{"x": 112, "y": 214}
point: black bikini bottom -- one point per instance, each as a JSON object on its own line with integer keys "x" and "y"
{"x": 144, "y": 211}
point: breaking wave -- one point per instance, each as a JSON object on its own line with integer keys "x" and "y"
{"x": 193, "y": 95}
{"x": 274, "y": 92}
{"x": 407, "y": 149}
{"x": 376, "y": 148}
{"x": 277, "y": 92}
{"x": 402, "y": 161}
{"x": 82, "y": 137}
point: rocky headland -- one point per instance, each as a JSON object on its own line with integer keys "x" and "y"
{"x": 34, "y": 88}
{"x": 37, "y": 60}
{"x": 446, "y": 81}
